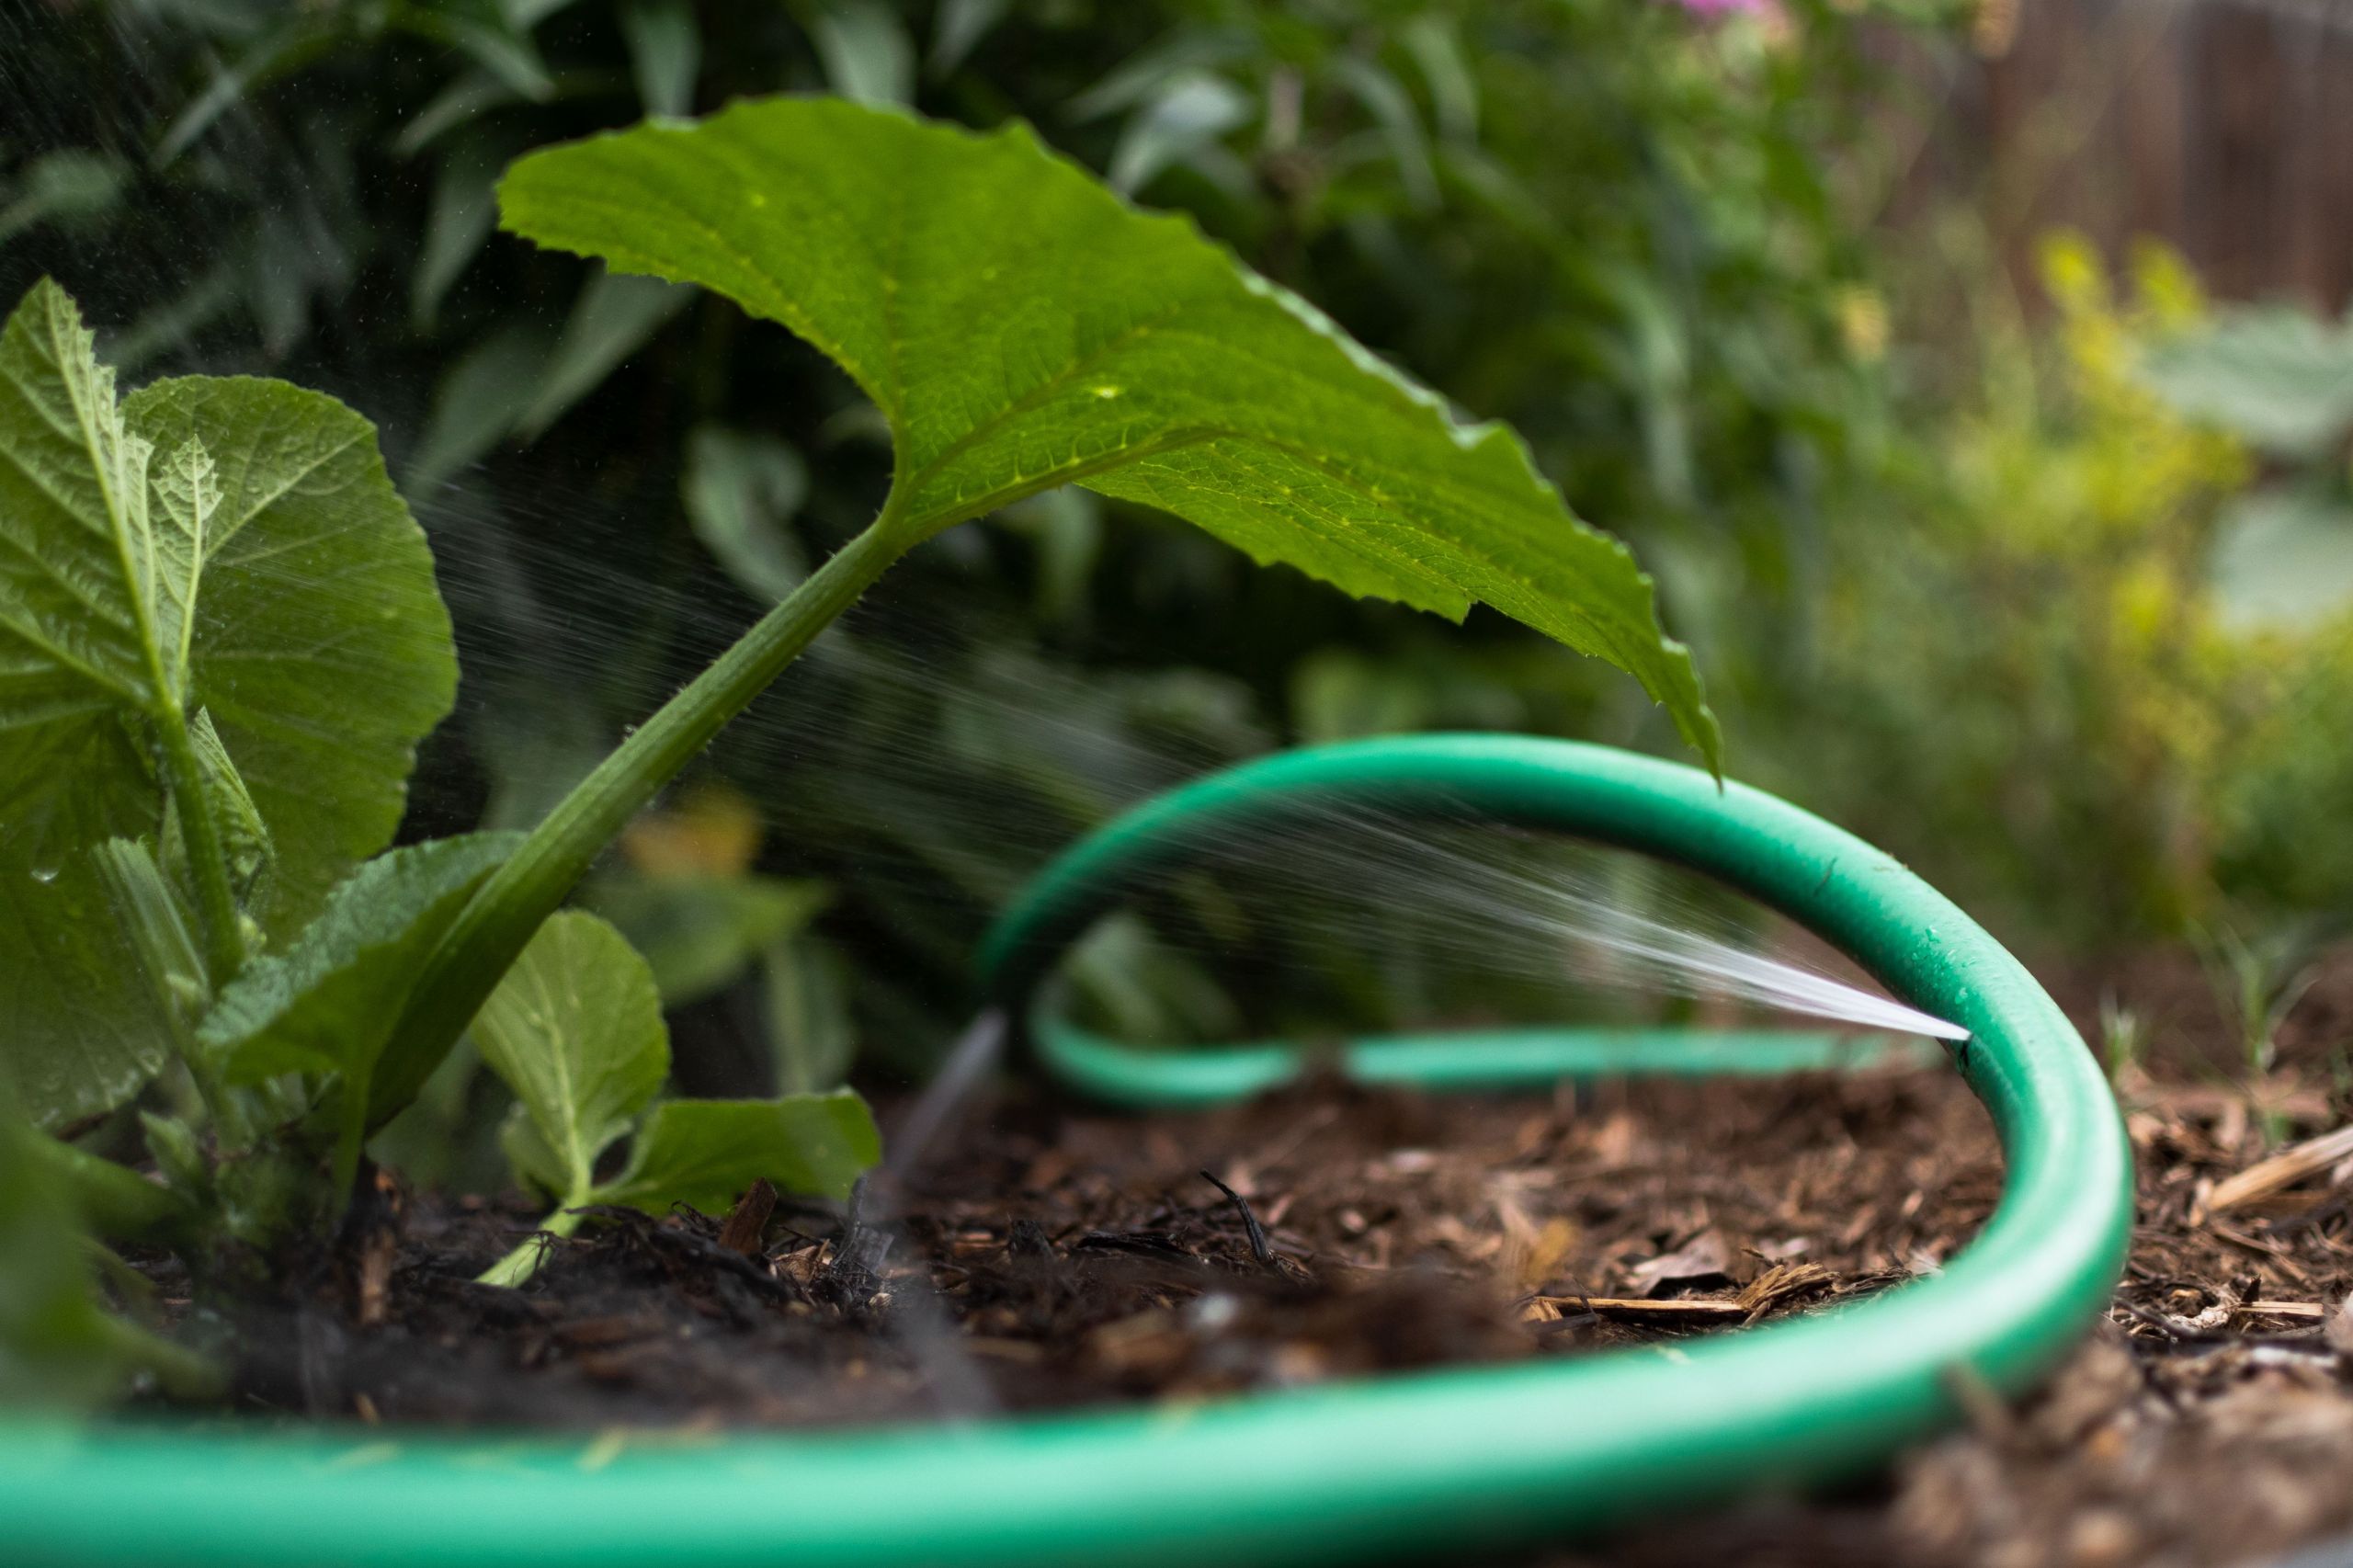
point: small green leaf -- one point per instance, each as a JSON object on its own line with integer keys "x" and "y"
{"x": 1067, "y": 524}
{"x": 328, "y": 1002}
{"x": 535, "y": 1162}
{"x": 612, "y": 320}
{"x": 960, "y": 26}
{"x": 244, "y": 837}
{"x": 741, "y": 492}
{"x": 804, "y": 1000}
{"x": 704, "y": 1153}
{"x": 1384, "y": 98}
{"x": 464, "y": 212}
{"x": 158, "y": 930}
{"x": 68, "y": 187}
{"x": 488, "y": 35}
{"x": 477, "y": 404}
{"x": 293, "y": 39}
{"x": 1090, "y": 343}
{"x": 1138, "y": 77}
{"x": 178, "y": 1153}
{"x": 1191, "y": 111}
{"x": 1453, "y": 88}
{"x": 869, "y": 58}
{"x": 664, "y": 51}
{"x": 463, "y": 102}
{"x": 575, "y": 1030}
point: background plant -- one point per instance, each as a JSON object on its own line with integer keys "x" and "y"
{"x": 1611, "y": 224}
{"x": 1659, "y": 244}
{"x": 2039, "y": 674}
{"x": 201, "y": 906}
{"x": 1094, "y": 346}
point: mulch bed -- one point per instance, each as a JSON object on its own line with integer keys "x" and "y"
{"x": 1063, "y": 1256}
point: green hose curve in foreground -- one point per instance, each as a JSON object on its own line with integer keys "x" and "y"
{"x": 1447, "y": 1460}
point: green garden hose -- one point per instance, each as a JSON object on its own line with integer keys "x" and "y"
{"x": 1451, "y": 1461}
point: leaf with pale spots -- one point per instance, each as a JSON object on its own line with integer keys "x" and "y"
{"x": 575, "y": 1030}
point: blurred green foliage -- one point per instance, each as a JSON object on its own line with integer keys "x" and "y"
{"x": 2040, "y": 680}
{"x": 2281, "y": 575}
{"x": 1980, "y": 625}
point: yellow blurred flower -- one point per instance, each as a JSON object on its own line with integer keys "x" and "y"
{"x": 711, "y": 830}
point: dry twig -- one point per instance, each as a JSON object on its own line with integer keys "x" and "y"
{"x": 2283, "y": 1170}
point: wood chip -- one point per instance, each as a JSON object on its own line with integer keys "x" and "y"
{"x": 1633, "y": 1309}
{"x": 1704, "y": 1256}
{"x": 2338, "y": 1331}
{"x": 2298, "y": 1163}
{"x": 1783, "y": 1281}
{"x": 1774, "y": 1284}
{"x": 2285, "y": 1309}
{"x": 376, "y": 1259}
{"x": 747, "y": 1223}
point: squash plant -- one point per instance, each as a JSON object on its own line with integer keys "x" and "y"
{"x": 223, "y": 643}
{"x": 219, "y": 642}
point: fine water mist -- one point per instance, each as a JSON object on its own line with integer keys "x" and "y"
{"x": 1532, "y": 907}
{"x": 952, "y": 759}
{"x": 930, "y": 753}
{"x": 918, "y": 755}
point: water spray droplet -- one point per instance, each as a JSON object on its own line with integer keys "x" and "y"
{"x": 1506, "y": 903}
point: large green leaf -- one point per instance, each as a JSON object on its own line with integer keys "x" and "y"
{"x": 741, "y": 490}
{"x": 575, "y": 1030}
{"x": 1022, "y": 327}
{"x": 705, "y": 1152}
{"x": 222, "y": 547}
{"x": 329, "y": 1002}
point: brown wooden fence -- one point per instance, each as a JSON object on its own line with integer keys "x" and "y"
{"x": 2225, "y": 126}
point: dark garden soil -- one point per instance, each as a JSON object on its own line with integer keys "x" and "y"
{"x": 1067, "y": 1256}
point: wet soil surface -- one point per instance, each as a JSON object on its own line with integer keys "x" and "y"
{"x": 1063, "y": 1256}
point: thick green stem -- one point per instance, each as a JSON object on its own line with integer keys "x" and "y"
{"x": 225, "y": 942}
{"x": 499, "y": 920}
{"x": 517, "y": 1268}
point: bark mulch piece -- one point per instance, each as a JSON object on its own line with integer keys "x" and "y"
{"x": 1066, "y": 1257}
